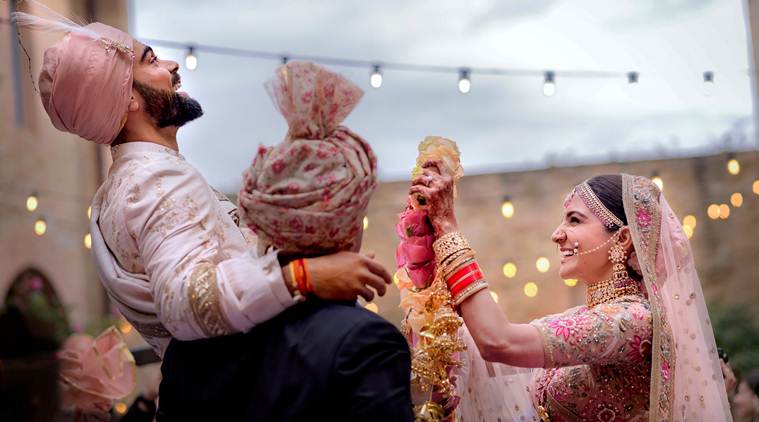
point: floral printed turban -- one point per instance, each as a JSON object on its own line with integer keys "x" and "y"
{"x": 309, "y": 193}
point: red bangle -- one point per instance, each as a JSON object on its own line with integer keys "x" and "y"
{"x": 465, "y": 282}
{"x": 302, "y": 277}
{"x": 456, "y": 276}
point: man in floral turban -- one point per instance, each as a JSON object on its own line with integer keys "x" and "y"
{"x": 305, "y": 197}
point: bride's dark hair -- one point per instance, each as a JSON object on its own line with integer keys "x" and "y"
{"x": 608, "y": 189}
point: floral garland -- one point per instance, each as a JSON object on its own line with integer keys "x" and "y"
{"x": 430, "y": 324}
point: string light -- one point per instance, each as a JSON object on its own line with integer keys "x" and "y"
{"x": 40, "y": 226}
{"x": 755, "y": 187}
{"x": 736, "y": 199}
{"x": 494, "y": 295}
{"x": 509, "y": 270}
{"x": 530, "y": 289}
{"x": 88, "y": 241}
{"x": 191, "y": 60}
{"x": 366, "y": 222}
{"x": 688, "y": 231}
{"x": 372, "y": 307}
{"x": 713, "y": 211}
{"x": 89, "y": 212}
{"x": 708, "y": 83}
{"x": 375, "y": 80}
{"x": 689, "y": 220}
{"x": 543, "y": 264}
{"x": 658, "y": 181}
{"x": 465, "y": 84}
{"x": 733, "y": 166}
{"x": 571, "y": 282}
{"x": 549, "y": 83}
{"x": 724, "y": 211}
{"x": 32, "y": 202}
{"x": 507, "y": 207}
{"x": 632, "y": 77}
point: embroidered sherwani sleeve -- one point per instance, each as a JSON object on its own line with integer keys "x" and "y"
{"x": 206, "y": 281}
{"x": 606, "y": 334}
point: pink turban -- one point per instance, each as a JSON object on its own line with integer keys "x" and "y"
{"x": 86, "y": 82}
{"x": 309, "y": 193}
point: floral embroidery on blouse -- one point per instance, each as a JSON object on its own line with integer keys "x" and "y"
{"x": 598, "y": 360}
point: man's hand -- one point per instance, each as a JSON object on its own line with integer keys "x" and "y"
{"x": 346, "y": 275}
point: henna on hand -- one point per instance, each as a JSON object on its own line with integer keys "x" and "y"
{"x": 436, "y": 186}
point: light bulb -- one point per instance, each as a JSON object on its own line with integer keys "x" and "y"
{"x": 530, "y": 289}
{"x": 32, "y": 202}
{"x": 713, "y": 211}
{"x": 755, "y": 187}
{"x": 507, "y": 208}
{"x": 549, "y": 84}
{"x": 724, "y": 211}
{"x": 465, "y": 84}
{"x": 733, "y": 166}
{"x": 376, "y": 79}
{"x": 40, "y": 226}
{"x": 509, "y": 270}
{"x": 688, "y": 231}
{"x": 190, "y": 60}
{"x": 543, "y": 264}
{"x": 736, "y": 199}
{"x": 658, "y": 181}
{"x": 689, "y": 220}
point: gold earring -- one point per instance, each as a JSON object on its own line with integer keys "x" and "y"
{"x": 618, "y": 257}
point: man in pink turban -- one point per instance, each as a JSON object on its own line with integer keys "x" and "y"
{"x": 167, "y": 246}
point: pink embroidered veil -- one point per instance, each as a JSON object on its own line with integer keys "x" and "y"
{"x": 686, "y": 379}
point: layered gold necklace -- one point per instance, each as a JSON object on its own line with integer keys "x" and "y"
{"x": 608, "y": 290}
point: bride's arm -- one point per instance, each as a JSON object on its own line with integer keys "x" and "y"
{"x": 496, "y": 337}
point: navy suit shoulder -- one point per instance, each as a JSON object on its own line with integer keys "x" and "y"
{"x": 318, "y": 359}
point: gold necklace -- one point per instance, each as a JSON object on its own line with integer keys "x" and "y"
{"x": 607, "y": 290}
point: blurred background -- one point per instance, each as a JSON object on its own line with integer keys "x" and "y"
{"x": 539, "y": 95}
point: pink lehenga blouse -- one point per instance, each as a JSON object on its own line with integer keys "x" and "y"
{"x": 598, "y": 362}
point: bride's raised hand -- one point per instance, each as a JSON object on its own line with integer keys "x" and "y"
{"x": 435, "y": 185}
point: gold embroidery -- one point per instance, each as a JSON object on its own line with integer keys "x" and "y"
{"x": 150, "y": 329}
{"x": 203, "y": 293}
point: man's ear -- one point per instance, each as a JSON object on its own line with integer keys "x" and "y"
{"x": 134, "y": 105}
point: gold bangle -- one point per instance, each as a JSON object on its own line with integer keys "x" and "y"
{"x": 448, "y": 244}
{"x": 445, "y": 263}
{"x": 456, "y": 263}
{"x": 469, "y": 291}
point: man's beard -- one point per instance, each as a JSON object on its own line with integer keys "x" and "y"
{"x": 168, "y": 108}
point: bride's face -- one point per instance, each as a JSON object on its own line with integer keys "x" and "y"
{"x": 580, "y": 226}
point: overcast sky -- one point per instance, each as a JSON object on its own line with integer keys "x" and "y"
{"x": 504, "y": 122}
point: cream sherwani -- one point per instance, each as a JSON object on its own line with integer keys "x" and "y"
{"x": 170, "y": 254}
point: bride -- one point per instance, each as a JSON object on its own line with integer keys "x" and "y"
{"x": 641, "y": 348}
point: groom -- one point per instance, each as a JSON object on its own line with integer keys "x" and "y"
{"x": 168, "y": 249}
